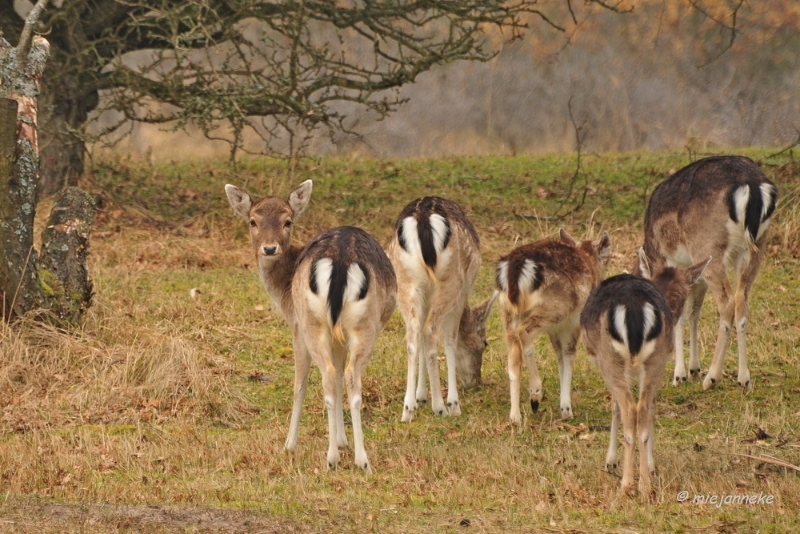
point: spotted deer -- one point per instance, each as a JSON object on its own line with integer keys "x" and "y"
{"x": 336, "y": 293}
{"x": 717, "y": 207}
{"x": 543, "y": 287}
{"x": 436, "y": 255}
{"x": 628, "y": 324}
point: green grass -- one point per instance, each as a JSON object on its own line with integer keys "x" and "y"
{"x": 214, "y": 442}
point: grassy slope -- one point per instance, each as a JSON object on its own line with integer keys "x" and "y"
{"x": 154, "y": 404}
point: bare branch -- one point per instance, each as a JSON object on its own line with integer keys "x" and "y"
{"x": 26, "y": 38}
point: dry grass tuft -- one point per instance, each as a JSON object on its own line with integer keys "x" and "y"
{"x": 50, "y": 378}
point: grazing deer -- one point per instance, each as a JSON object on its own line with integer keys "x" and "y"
{"x": 336, "y": 293}
{"x": 721, "y": 208}
{"x": 628, "y": 323}
{"x": 436, "y": 255}
{"x": 543, "y": 287}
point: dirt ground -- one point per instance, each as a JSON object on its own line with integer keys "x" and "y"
{"x": 21, "y": 518}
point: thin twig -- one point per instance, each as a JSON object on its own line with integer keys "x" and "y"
{"x": 767, "y": 460}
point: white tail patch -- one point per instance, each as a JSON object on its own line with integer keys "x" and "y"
{"x": 440, "y": 232}
{"x": 411, "y": 254}
{"x": 740, "y": 199}
{"x": 527, "y": 276}
{"x": 622, "y": 330}
{"x": 502, "y": 275}
{"x": 356, "y": 279}
{"x": 323, "y": 268}
{"x": 411, "y": 236}
{"x": 353, "y": 309}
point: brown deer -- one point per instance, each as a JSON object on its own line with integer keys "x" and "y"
{"x": 628, "y": 324}
{"x": 543, "y": 287}
{"x": 336, "y": 293}
{"x": 436, "y": 255}
{"x": 717, "y": 207}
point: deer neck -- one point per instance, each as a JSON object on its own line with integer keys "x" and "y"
{"x": 277, "y": 279}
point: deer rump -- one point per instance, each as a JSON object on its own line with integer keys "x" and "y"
{"x": 636, "y": 315}
{"x": 339, "y": 277}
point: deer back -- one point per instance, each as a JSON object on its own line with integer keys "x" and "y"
{"x": 716, "y": 207}
{"x": 555, "y": 275}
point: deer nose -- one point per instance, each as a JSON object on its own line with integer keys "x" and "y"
{"x": 269, "y": 251}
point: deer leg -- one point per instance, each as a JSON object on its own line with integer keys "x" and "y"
{"x": 745, "y": 279}
{"x": 514, "y": 367}
{"x": 415, "y": 351}
{"x": 650, "y": 375}
{"x": 614, "y": 373}
{"x": 534, "y": 380}
{"x": 528, "y": 333}
{"x": 361, "y": 345}
{"x": 611, "y": 455}
{"x": 321, "y": 354}
{"x": 694, "y": 305}
{"x": 718, "y": 281}
{"x": 622, "y": 395}
{"x": 679, "y": 377}
{"x": 432, "y": 333}
{"x": 450, "y": 340}
{"x": 302, "y": 366}
{"x": 339, "y": 354}
{"x": 564, "y": 346}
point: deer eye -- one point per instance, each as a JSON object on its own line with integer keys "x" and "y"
{"x": 252, "y": 223}
{"x": 287, "y": 224}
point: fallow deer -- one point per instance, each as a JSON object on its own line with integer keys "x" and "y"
{"x": 436, "y": 254}
{"x": 543, "y": 287}
{"x": 336, "y": 293}
{"x": 628, "y": 324}
{"x": 717, "y": 207}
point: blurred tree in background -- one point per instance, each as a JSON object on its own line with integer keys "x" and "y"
{"x": 277, "y": 67}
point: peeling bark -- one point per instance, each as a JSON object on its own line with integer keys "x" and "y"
{"x": 63, "y": 274}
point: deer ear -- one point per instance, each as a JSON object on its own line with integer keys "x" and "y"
{"x": 694, "y": 272}
{"x": 566, "y": 238}
{"x": 239, "y": 199}
{"x": 298, "y": 199}
{"x": 604, "y": 247}
{"x": 482, "y": 311}
{"x": 644, "y": 265}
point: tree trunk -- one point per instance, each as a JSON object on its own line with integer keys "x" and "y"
{"x": 65, "y": 104}
{"x": 18, "y": 260}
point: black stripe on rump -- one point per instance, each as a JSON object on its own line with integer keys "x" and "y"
{"x": 634, "y": 324}
{"x": 752, "y": 212}
{"x": 336, "y": 291}
{"x": 752, "y": 216}
{"x": 365, "y": 287}
{"x": 427, "y": 207}
{"x": 421, "y": 210}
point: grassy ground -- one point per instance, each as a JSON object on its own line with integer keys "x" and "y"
{"x": 169, "y": 413}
